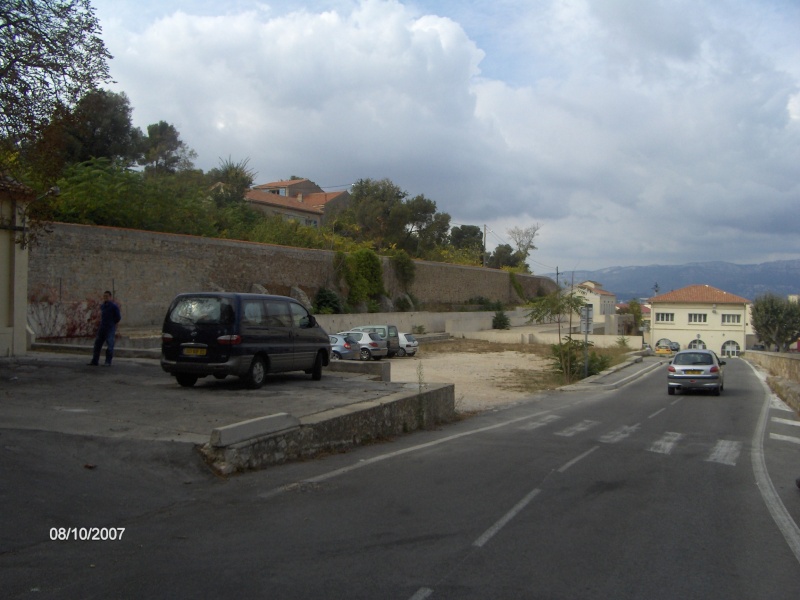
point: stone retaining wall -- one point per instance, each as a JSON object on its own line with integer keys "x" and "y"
{"x": 145, "y": 270}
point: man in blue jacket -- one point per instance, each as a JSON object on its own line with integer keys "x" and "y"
{"x": 109, "y": 317}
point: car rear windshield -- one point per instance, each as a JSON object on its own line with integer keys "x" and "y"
{"x": 693, "y": 359}
{"x": 202, "y": 311}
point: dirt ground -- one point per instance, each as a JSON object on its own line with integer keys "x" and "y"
{"x": 486, "y": 375}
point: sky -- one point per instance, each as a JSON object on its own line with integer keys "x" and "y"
{"x": 630, "y": 132}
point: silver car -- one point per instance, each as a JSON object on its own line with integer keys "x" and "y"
{"x": 373, "y": 346}
{"x": 695, "y": 370}
{"x": 343, "y": 347}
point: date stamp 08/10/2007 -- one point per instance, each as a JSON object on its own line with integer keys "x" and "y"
{"x": 86, "y": 534}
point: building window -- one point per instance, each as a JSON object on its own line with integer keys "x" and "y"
{"x": 731, "y": 319}
{"x": 697, "y": 317}
{"x": 665, "y": 317}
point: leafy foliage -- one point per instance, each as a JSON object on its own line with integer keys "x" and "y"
{"x": 51, "y": 55}
{"x": 326, "y": 302}
{"x": 501, "y": 320}
{"x": 569, "y": 359}
{"x": 776, "y": 320}
{"x": 404, "y": 268}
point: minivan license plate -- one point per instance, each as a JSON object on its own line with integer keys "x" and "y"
{"x": 194, "y": 351}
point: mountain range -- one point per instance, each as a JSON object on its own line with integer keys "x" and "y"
{"x": 780, "y": 277}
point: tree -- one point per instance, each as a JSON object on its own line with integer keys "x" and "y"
{"x": 98, "y": 127}
{"x": 164, "y": 151}
{"x": 776, "y": 320}
{"x": 504, "y": 256}
{"x": 51, "y": 55}
{"x": 635, "y": 309}
{"x": 523, "y": 239}
{"x": 230, "y": 181}
{"x": 558, "y": 306}
{"x": 465, "y": 237}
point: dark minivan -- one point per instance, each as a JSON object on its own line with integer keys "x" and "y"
{"x": 247, "y": 335}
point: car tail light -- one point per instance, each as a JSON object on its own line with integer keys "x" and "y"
{"x": 671, "y": 369}
{"x": 714, "y": 369}
{"x": 166, "y": 338}
{"x": 229, "y": 340}
{"x": 347, "y": 345}
{"x": 373, "y": 345}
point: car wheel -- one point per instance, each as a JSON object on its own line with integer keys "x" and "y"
{"x": 316, "y": 372}
{"x": 336, "y": 356}
{"x": 186, "y": 380}
{"x": 717, "y": 391}
{"x": 256, "y": 374}
{"x": 365, "y": 354}
{"x": 671, "y": 391}
{"x": 401, "y": 352}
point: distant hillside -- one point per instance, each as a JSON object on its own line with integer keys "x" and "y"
{"x": 750, "y": 281}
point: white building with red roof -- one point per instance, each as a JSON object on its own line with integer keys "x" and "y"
{"x": 701, "y": 316}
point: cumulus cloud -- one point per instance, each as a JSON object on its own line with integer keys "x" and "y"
{"x": 633, "y": 133}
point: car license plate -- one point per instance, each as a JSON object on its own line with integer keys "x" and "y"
{"x": 194, "y": 351}
{"x": 692, "y": 372}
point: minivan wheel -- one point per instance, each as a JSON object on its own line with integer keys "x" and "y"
{"x": 365, "y": 354}
{"x": 401, "y": 353}
{"x": 257, "y": 373}
{"x": 186, "y": 380}
{"x": 316, "y": 372}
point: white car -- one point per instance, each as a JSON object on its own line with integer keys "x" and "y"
{"x": 408, "y": 345}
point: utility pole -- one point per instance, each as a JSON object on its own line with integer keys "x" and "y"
{"x": 484, "y": 244}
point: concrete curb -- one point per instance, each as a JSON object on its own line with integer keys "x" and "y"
{"x": 333, "y": 430}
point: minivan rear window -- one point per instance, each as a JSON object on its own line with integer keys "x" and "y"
{"x": 202, "y": 311}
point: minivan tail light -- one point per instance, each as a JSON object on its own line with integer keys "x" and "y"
{"x": 166, "y": 338}
{"x": 229, "y": 340}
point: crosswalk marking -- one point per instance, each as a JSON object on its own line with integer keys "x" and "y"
{"x": 784, "y": 438}
{"x": 786, "y": 421}
{"x": 666, "y": 443}
{"x": 545, "y": 420}
{"x": 725, "y": 452}
{"x": 578, "y": 428}
{"x": 619, "y": 434}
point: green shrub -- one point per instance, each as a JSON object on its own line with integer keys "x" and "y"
{"x": 326, "y": 302}
{"x": 501, "y": 320}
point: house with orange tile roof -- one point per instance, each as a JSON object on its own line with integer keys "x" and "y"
{"x": 602, "y": 301}
{"x": 702, "y": 316}
{"x": 297, "y": 199}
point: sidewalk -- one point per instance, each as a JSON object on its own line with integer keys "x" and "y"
{"x": 621, "y": 374}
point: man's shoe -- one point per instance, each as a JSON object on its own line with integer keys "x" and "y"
{"x": 106, "y": 364}
{"x": 92, "y": 364}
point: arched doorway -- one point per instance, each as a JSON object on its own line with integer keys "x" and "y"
{"x": 697, "y": 344}
{"x": 730, "y": 348}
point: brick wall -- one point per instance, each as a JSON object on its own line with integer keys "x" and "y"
{"x": 146, "y": 270}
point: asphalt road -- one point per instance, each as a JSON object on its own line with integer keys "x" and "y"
{"x": 581, "y": 494}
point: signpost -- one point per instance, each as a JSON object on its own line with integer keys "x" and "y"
{"x": 586, "y": 327}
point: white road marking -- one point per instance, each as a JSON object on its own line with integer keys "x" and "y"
{"x": 666, "y": 443}
{"x": 784, "y": 438}
{"x": 546, "y": 420}
{"x": 620, "y": 434}
{"x": 786, "y": 421}
{"x": 725, "y": 452}
{"x": 781, "y": 516}
{"x": 566, "y": 466}
{"x": 658, "y": 412}
{"x": 489, "y": 533}
{"x": 421, "y": 594}
{"x": 578, "y": 428}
